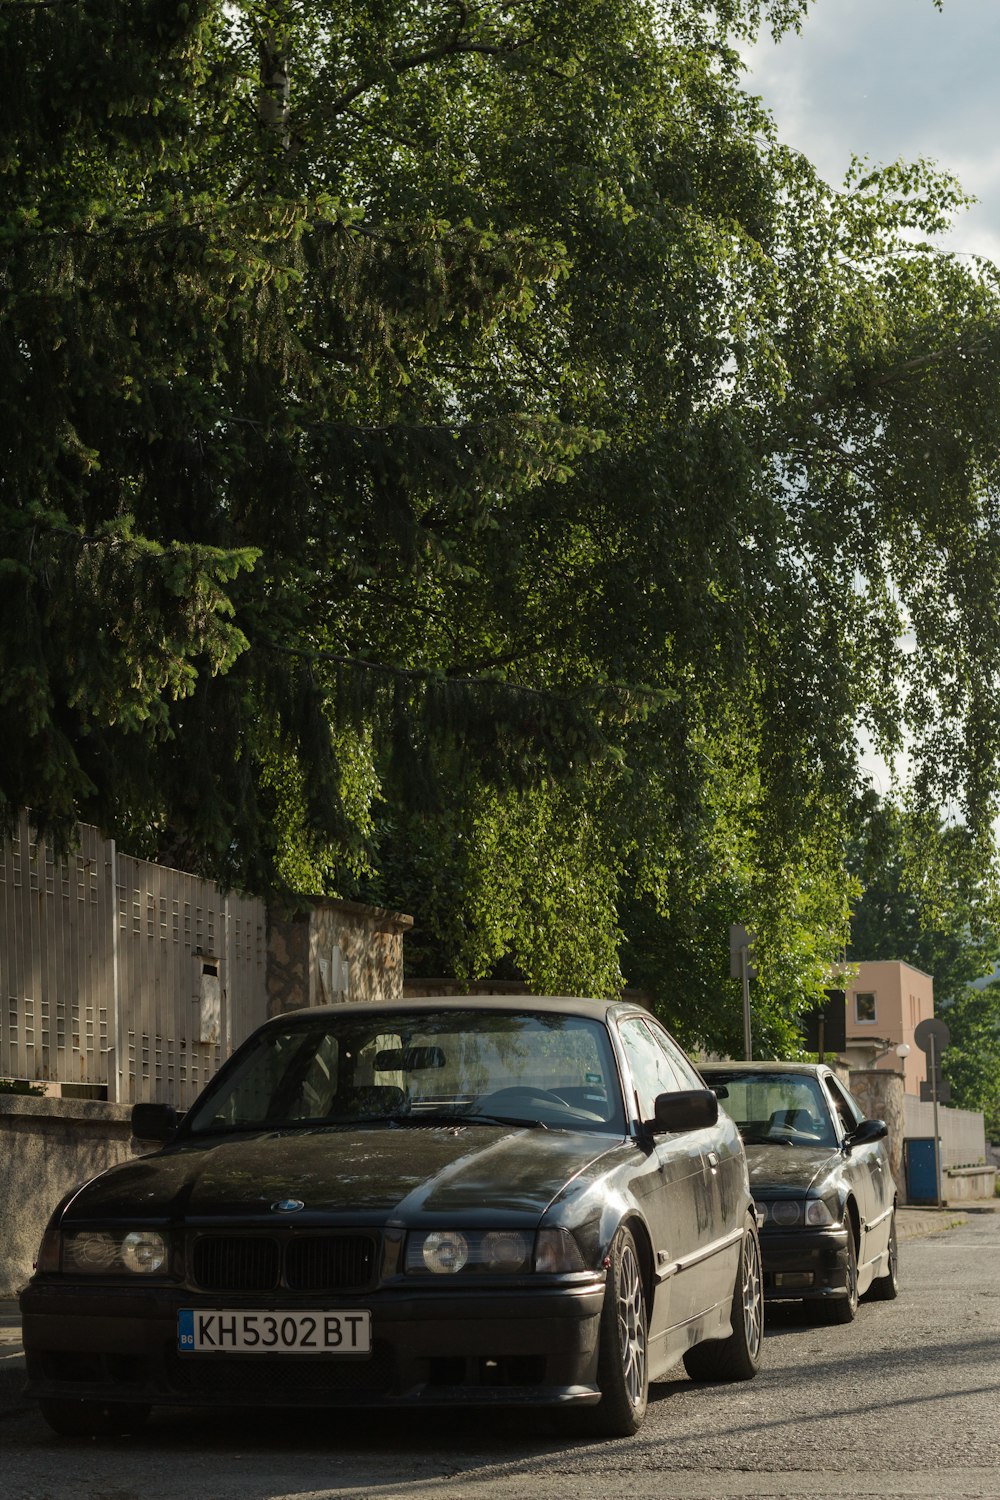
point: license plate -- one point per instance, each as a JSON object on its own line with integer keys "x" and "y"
{"x": 236, "y": 1331}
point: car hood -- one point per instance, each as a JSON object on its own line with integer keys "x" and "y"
{"x": 791, "y": 1169}
{"x": 379, "y": 1174}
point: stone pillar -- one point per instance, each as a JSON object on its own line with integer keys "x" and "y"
{"x": 336, "y": 951}
{"x": 880, "y": 1095}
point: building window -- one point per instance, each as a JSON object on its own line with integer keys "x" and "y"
{"x": 864, "y": 1007}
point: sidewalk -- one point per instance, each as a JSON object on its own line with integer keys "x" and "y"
{"x": 920, "y": 1219}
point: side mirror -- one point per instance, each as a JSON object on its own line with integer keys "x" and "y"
{"x": 153, "y": 1122}
{"x": 868, "y": 1131}
{"x": 693, "y": 1109}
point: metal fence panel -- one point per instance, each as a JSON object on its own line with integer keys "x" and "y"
{"x": 120, "y": 973}
{"x": 56, "y": 960}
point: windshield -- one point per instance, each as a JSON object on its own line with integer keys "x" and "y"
{"x": 789, "y": 1108}
{"x": 420, "y": 1067}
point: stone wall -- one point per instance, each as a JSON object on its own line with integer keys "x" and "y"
{"x": 881, "y": 1097}
{"x": 48, "y": 1147}
{"x": 337, "y": 951}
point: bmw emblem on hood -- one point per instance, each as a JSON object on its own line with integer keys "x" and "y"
{"x": 287, "y": 1206}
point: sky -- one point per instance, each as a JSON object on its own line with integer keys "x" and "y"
{"x": 888, "y": 79}
{"x": 894, "y": 78}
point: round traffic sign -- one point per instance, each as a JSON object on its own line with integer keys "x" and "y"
{"x": 932, "y": 1030}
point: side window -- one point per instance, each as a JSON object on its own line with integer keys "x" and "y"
{"x": 687, "y": 1074}
{"x": 844, "y": 1106}
{"x": 648, "y": 1064}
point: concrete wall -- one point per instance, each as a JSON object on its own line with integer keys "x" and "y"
{"x": 47, "y": 1148}
{"x": 963, "y": 1132}
{"x": 966, "y": 1184}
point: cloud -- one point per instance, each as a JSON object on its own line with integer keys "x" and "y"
{"x": 888, "y": 79}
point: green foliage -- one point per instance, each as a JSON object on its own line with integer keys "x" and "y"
{"x": 972, "y": 1061}
{"x": 931, "y": 898}
{"x": 21, "y": 1086}
{"x": 460, "y": 453}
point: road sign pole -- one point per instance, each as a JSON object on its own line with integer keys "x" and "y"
{"x": 932, "y": 1036}
{"x": 937, "y": 1132}
{"x": 745, "y": 978}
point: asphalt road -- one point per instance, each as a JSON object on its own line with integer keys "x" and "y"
{"x": 904, "y": 1402}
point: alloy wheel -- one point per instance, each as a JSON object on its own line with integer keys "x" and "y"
{"x": 632, "y": 1326}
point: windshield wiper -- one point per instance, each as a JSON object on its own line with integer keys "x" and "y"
{"x": 765, "y": 1140}
{"x": 485, "y": 1119}
{"x": 447, "y": 1117}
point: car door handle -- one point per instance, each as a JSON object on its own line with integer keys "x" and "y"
{"x": 713, "y": 1160}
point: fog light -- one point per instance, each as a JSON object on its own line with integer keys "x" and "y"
{"x": 793, "y": 1279}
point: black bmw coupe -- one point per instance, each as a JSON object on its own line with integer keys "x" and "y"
{"x": 464, "y": 1202}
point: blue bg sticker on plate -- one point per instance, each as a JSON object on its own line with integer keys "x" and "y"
{"x": 185, "y": 1328}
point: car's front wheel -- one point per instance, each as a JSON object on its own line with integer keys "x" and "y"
{"x": 845, "y": 1309}
{"x": 885, "y": 1288}
{"x": 622, "y": 1368}
{"x": 738, "y": 1356}
{"x": 86, "y": 1419}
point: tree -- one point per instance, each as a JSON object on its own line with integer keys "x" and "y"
{"x": 931, "y": 899}
{"x": 445, "y": 421}
{"x": 972, "y": 1060}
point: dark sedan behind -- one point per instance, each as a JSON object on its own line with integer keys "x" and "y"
{"x": 820, "y": 1176}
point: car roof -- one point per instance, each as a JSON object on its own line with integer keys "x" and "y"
{"x": 766, "y": 1066}
{"x": 569, "y": 1005}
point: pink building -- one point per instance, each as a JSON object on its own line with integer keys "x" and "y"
{"x": 886, "y": 1001}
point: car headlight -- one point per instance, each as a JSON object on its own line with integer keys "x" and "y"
{"x": 142, "y": 1252}
{"x": 447, "y": 1252}
{"x": 785, "y": 1213}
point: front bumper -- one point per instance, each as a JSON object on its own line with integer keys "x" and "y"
{"x": 804, "y": 1263}
{"x": 475, "y": 1347}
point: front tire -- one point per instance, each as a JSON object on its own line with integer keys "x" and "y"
{"x": 622, "y": 1367}
{"x": 845, "y": 1309}
{"x": 886, "y": 1288}
{"x": 737, "y": 1357}
{"x": 93, "y": 1419}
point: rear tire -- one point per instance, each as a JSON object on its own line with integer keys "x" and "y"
{"x": 737, "y": 1357}
{"x": 90, "y": 1419}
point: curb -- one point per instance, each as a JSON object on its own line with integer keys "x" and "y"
{"x": 913, "y": 1224}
